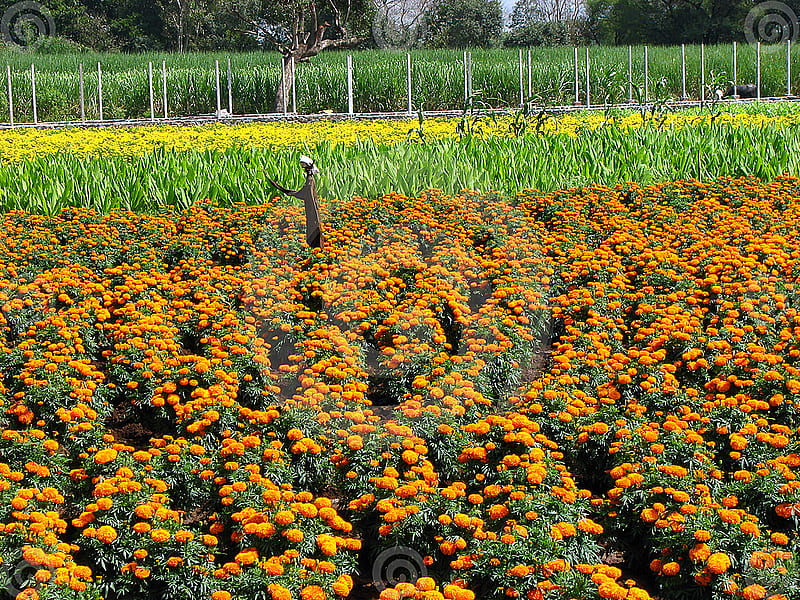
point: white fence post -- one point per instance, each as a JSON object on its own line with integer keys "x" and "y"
{"x": 10, "y": 97}
{"x": 100, "y": 90}
{"x": 588, "y": 101}
{"x": 218, "y": 90}
{"x": 683, "y": 72}
{"x": 466, "y": 79}
{"x": 33, "y": 95}
{"x": 230, "y": 88}
{"x": 82, "y": 86}
{"x": 294, "y": 88}
{"x": 350, "y": 84}
{"x": 758, "y": 71}
{"x": 702, "y": 74}
{"x": 646, "y": 75}
{"x": 735, "y": 66}
{"x": 789, "y": 67}
{"x": 577, "y": 83}
{"x": 530, "y": 75}
{"x": 630, "y": 73}
{"x": 150, "y": 90}
{"x": 164, "y": 84}
{"x": 521, "y": 81}
{"x": 408, "y": 82}
{"x": 283, "y": 82}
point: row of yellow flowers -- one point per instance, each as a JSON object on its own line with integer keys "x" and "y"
{"x": 21, "y": 144}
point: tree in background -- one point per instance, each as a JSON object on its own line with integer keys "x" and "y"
{"x": 463, "y": 23}
{"x": 547, "y": 23}
{"x": 398, "y": 23}
{"x": 186, "y": 21}
{"x": 301, "y": 29}
{"x": 667, "y": 21}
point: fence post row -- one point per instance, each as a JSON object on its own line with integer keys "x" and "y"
{"x": 468, "y": 81}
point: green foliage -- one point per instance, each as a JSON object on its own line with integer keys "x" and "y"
{"x": 676, "y": 21}
{"x": 606, "y": 155}
{"x": 463, "y": 23}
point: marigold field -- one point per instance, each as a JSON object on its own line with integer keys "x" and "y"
{"x": 581, "y": 394}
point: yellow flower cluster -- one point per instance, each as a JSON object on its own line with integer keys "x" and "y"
{"x": 22, "y": 144}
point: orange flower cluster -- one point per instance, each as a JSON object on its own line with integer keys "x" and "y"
{"x": 489, "y": 391}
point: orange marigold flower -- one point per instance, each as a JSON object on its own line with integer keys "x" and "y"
{"x": 160, "y": 535}
{"x": 106, "y": 534}
{"x": 294, "y": 535}
{"x": 671, "y": 568}
{"x": 105, "y": 456}
{"x": 312, "y": 592}
{"x": 278, "y": 592}
{"x": 754, "y": 592}
{"x": 718, "y": 563}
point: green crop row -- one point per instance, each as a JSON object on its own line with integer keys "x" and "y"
{"x": 379, "y": 79}
{"x": 604, "y": 156}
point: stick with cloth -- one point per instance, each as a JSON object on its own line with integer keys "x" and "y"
{"x": 308, "y": 194}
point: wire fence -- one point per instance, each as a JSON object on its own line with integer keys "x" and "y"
{"x": 31, "y": 98}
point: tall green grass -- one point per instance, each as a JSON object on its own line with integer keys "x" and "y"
{"x": 379, "y": 80}
{"x": 604, "y": 156}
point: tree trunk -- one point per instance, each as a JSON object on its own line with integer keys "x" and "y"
{"x": 283, "y": 97}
